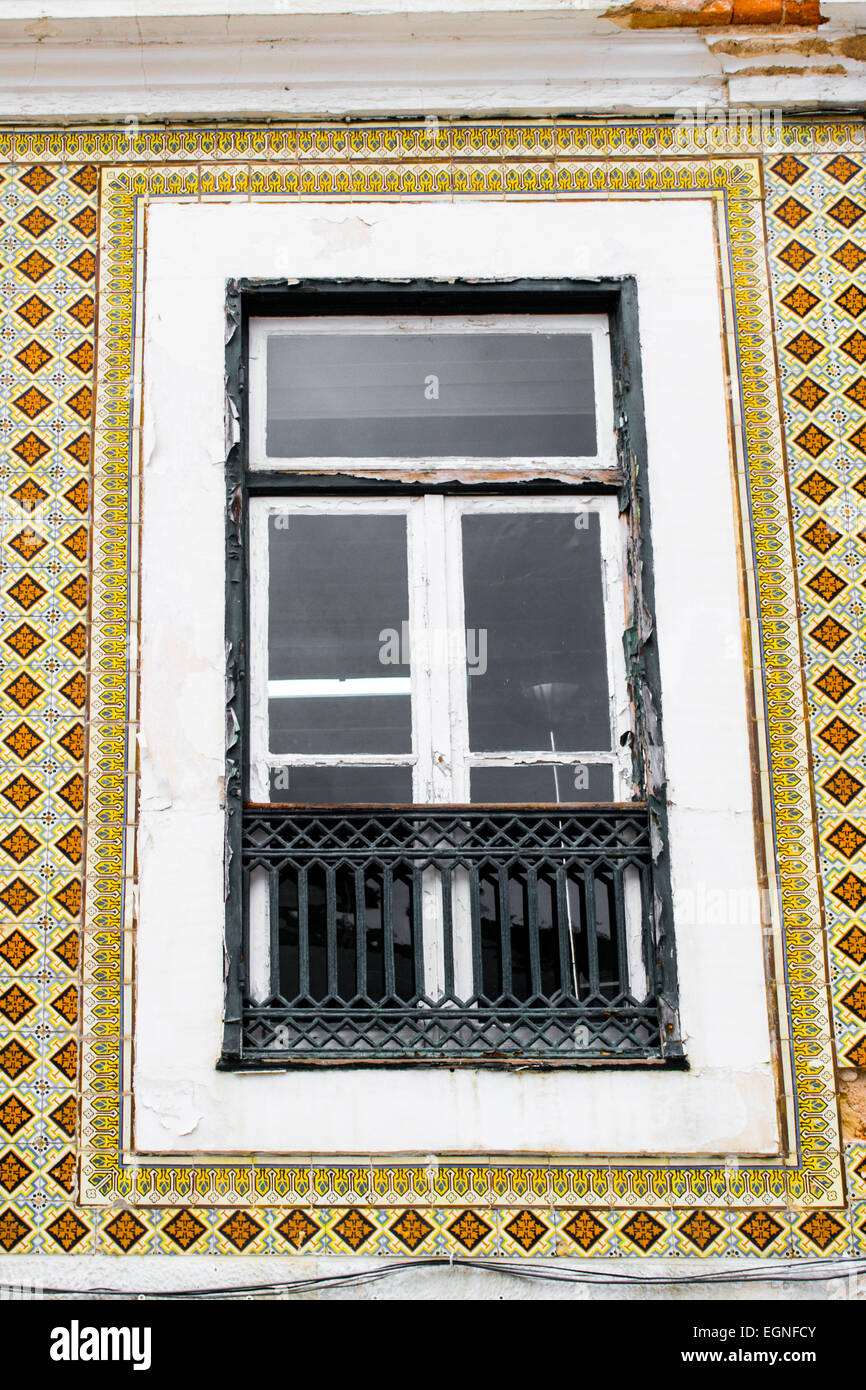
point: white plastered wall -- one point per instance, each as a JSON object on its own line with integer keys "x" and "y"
{"x": 726, "y": 1102}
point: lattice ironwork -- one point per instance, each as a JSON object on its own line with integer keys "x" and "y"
{"x": 428, "y": 934}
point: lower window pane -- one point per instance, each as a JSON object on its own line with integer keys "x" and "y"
{"x": 542, "y": 782}
{"x": 342, "y": 786}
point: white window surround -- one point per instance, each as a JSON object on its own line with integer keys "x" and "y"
{"x": 727, "y": 1102}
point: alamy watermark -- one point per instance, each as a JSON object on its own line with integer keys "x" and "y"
{"x": 77, "y": 1343}
{"x": 754, "y": 123}
{"x": 439, "y": 647}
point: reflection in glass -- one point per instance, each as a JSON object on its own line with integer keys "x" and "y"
{"x": 336, "y": 786}
{"x": 534, "y": 603}
{"x": 369, "y": 941}
{"x": 542, "y": 782}
{"x": 336, "y": 583}
{"x": 405, "y": 395}
{"x": 577, "y": 954}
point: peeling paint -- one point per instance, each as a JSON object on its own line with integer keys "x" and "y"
{"x": 659, "y": 14}
{"x": 780, "y": 70}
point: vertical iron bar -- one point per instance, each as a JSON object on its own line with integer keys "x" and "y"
{"x": 475, "y": 916}
{"x": 274, "y": 929}
{"x": 446, "y": 879}
{"x": 331, "y": 920}
{"x": 591, "y": 929}
{"x": 647, "y": 934}
{"x": 303, "y": 933}
{"x": 621, "y": 941}
{"x": 417, "y": 928}
{"x": 503, "y": 894}
{"x": 360, "y": 932}
{"x": 532, "y": 928}
{"x": 243, "y": 963}
{"x": 563, "y": 930}
{"x": 388, "y": 929}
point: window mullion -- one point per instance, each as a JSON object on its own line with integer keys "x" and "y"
{"x": 419, "y": 543}
{"x": 453, "y": 659}
{"x": 259, "y": 789}
{"x": 435, "y": 643}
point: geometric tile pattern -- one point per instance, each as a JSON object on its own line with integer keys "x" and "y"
{"x": 63, "y": 1183}
{"x": 827, "y": 429}
{"x": 48, "y": 217}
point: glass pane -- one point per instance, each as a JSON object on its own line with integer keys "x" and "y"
{"x": 338, "y": 786}
{"x": 338, "y": 606}
{"x": 399, "y": 395}
{"x": 542, "y": 782}
{"x": 536, "y": 650}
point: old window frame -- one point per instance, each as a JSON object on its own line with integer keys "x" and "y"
{"x": 623, "y": 478}
{"x": 439, "y": 712}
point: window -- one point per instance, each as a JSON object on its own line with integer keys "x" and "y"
{"x": 440, "y": 848}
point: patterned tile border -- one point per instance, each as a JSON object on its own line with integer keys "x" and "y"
{"x": 788, "y": 212}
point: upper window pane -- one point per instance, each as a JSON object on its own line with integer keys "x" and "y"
{"x": 404, "y": 394}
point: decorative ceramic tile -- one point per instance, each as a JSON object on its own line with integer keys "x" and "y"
{"x": 70, "y": 239}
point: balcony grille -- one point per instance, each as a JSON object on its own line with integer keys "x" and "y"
{"x": 487, "y": 935}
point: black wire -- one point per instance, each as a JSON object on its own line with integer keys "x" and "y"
{"x": 797, "y": 1271}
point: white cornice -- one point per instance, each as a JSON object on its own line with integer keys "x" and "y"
{"x": 186, "y": 59}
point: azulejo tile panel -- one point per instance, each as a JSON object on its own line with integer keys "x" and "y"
{"x": 790, "y": 203}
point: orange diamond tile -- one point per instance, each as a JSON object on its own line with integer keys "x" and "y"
{"x": 35, "y": 266}
{"x": 849, "y": 256}
{"x": 19, "y": 844}
{"x": 298, "y": 1228}
{"x": 796, "y": 255}
{"x": 14, "y": 1114}
{"x": 31, "y": 449}
{"x": 846, "y": 838}
{"x": 34, "y": 310}
{"x": 67, "y": 1230}
{"x": 25, "y": 640}
{"x": 354, "y": 1228}
{"x": 800, "y": 300}
{"x": 846, "y": 212}
{"x": 23, "y": 690}
{"x": 843, "y": 786}
{"x": 827, "y": 584}
{"x": 853, "y": 944}
{"x": 17, "y": 949}
{"x": 37, "y": 222}
{"x": 32, "y": 402}
{"x": 470, "y": 1229}
{"x": 411, "y": 1228}
{"x": 184, "y": 1229}
{"x": 761, "y": 1228}
{"x": 37, "y": 178}
{"x": 23, "y": 741}
{"x": 842, "y": 168}
{"x": 808, "y": 393}
{"x": 821, "y": 537}
{"x": 241, "y": 1229}
{"x": 33, "y": 357}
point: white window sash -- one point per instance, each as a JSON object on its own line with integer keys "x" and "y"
{"x": 596, "y": 325}
{"x": 441, "y": 758}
